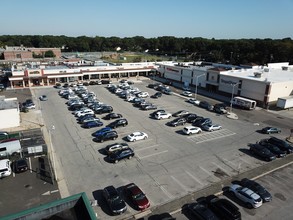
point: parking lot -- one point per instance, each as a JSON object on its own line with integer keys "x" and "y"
{"x": 167, "y": 165}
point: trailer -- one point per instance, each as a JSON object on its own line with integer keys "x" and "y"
{"x": 244, "y": 103}
{"x": 285, "y": 102}
{"x": 10, "y": 148}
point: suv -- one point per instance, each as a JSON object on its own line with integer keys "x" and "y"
{"x": 5, "y": 169}
{"x": 250, "y": 198}
{"x": 109, "y": 135}
{"x": 283, "y": 145}
{"x": 20, "y": 165}
{"x": 163, "y": 115}
{"x": 224, "y": 209}
{"x": 120, "y": 155}
{"x": 191, "y": 130}
{"x": 259, "y": 189}
{"x": 114, "y": 200}
{"x": 104, "y": 109}
{"x": 119, "y": 122}
{"x": 220, "y": 108}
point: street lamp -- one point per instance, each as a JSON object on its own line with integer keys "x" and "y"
{"x": 52, "y": 128}
{"x": 196, "y": 80}
{"x": 232, "y": 95}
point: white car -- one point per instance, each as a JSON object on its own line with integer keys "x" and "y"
{"x": 163, "y": 115}
{"x": 5, "y": 168}
{"x": 80, "y": 110}
{"x": 135, "y": 136}
{"x": 189, "y": 130}
{"x": 186, "y": 93}
{"x": 211, "y": 127}
{"x": 87, "y": 111}
{"x": 143, "y": 95}
{"x": 249, "y": 197}
{"x": 193, "y": 101}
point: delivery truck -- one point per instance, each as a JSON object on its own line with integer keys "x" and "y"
{"x": 285, "y": 102}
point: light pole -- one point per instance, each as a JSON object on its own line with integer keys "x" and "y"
{"x": 52, "y": 128}
{"x": 196, "y": 82}
{"x": 232, "y": 95}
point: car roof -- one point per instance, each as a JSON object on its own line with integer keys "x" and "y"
{"x": 133, "y": 188}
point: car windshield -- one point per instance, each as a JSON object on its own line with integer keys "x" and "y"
{"x": 138, "y": 196}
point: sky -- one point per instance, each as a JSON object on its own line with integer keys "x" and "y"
{"x": 219, "y": 19}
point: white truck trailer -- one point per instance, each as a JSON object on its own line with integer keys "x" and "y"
{"x": 285, "y": 102}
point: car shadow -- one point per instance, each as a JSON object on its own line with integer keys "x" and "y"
{"x": 98, "y": 195}
{"x": 180, "y": 132}
{"x": 186, "y": 212}
{"x": 125, "y": 139}
{"x": 102, "y": 151}
{"x": 161, "y": 216}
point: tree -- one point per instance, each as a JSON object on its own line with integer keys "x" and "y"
{"x": 49, "y": 53}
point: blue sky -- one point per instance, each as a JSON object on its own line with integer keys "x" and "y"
{"x": 219, "y": 19}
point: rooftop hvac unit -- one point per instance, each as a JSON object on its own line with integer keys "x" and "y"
{"x": 257, "y": 74}
{"x": 267, "y": 70}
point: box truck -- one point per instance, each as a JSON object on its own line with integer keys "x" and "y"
{"x": 285, "y": 102}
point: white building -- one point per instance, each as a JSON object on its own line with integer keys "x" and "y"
{"x": 264, "y": 84}
{"x": 9, "y": 113}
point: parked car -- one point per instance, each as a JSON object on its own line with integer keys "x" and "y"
{"x": 152, "y": 115}
{"x": 136, "y": 196}
{"x": 274, "y": 149}
{"x": 262, "y": 152}
{"x": 206, "y": 105}
{"x": 257, "y": 188}
{"x": 112, "y": 116}
{"x": 143, "y": 95}
{"x": 220, "y": 108}
{"x": 191, "y": 130}
{"x": 29, "y": 105}
{"x": 177, "y": 122}
{"x": 135, "y": 136}
{"x": 201, "y": 122}
{"x": 249, "y": 197}
{"x": 112, "y": 148}
{"x": 5, "y": 168}
{"x": 156, "y": 95}
{"x": 271, "y": 130}
{"x": 224, "y": 209}
{"x": 186, "y": 93}
{"x": 149, "y": 107}
{"x": 20, "y": 165}
{"x": 282, "y": 144}
{"x": 88, "y": 119}
{"x": 120, "y": 155}
{"x": 191, "y": 117}
{"x": 163, "y": 115}
{"x": 201, "y": 211}
{"x": 108, "y": 135}
{"x": 104, "y": 109}
{"x": 211, "y": 127}
{"x": 118, "y": 123}
{"x": 193, "y": 101}
{"x": 114, "y": 200}
{"x": 101, "y": 131}
{"x": 43, "y": 98}
{"x": 92, "y": 124}
{"x": 180, "y": 113}
{"x": 84, "y": 112}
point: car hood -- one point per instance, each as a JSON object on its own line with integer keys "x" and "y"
{"x": 142, "y": 202}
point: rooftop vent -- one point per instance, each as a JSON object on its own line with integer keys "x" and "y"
{"x": 285, "y": 68}
{"x": 257, "y": 74}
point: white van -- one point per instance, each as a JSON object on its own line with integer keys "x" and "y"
{"x": 5, "y": 169}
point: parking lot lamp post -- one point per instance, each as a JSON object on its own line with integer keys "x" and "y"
{"x": 52, "y": 151}
{"x": 196, "y": 82}
{"x": 232, "y": 95}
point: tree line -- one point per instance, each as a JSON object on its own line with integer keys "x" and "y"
{"x": 234, "y": 51}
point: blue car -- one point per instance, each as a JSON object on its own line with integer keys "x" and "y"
{"x": 101, "y": 131}
{"x": 91, "y": 124}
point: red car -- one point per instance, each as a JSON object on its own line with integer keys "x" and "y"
{"x": 137, "y": 197}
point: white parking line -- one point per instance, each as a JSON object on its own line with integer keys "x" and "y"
{"x": 145, "y": 148}
{"x": 153, "y": 154}
{"x": 193, "y": 177}
{"x": 179, "y": 183}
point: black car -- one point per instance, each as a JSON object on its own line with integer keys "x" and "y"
{"x": 75, "y": 107}
{"x": 262, "y": 152}
{"x": 191, "y": 117}
{"x": 224, "y": 209}
{"x": 177, "y": 122}
{"x": 112, "y": 116}
{"x": 114, "y": 200}
{"x": 20, "y": 165}
{"x": 120, "y": 155}
{"x": 202, "y": 122}
{"x": 118, "y": 123}
{"x": 148, "y": 107}
{"x": 201, "y": 211}
{"x": 109, "y": 135}
{"x": 180, "y": 113}
{"x": 205, "y": 105}
{"x": 274, "y": 149}
{"x": 270, "y": 130}
{"x": 283, "y": 145}
{"x": 155, "y": 112}
{"x": 156, "y": 95}
{"x": 104, "y": 109}
{"x": 106, "y": 81}
{"x": 257, "y": 188}
{"x": 220, "y": 108}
